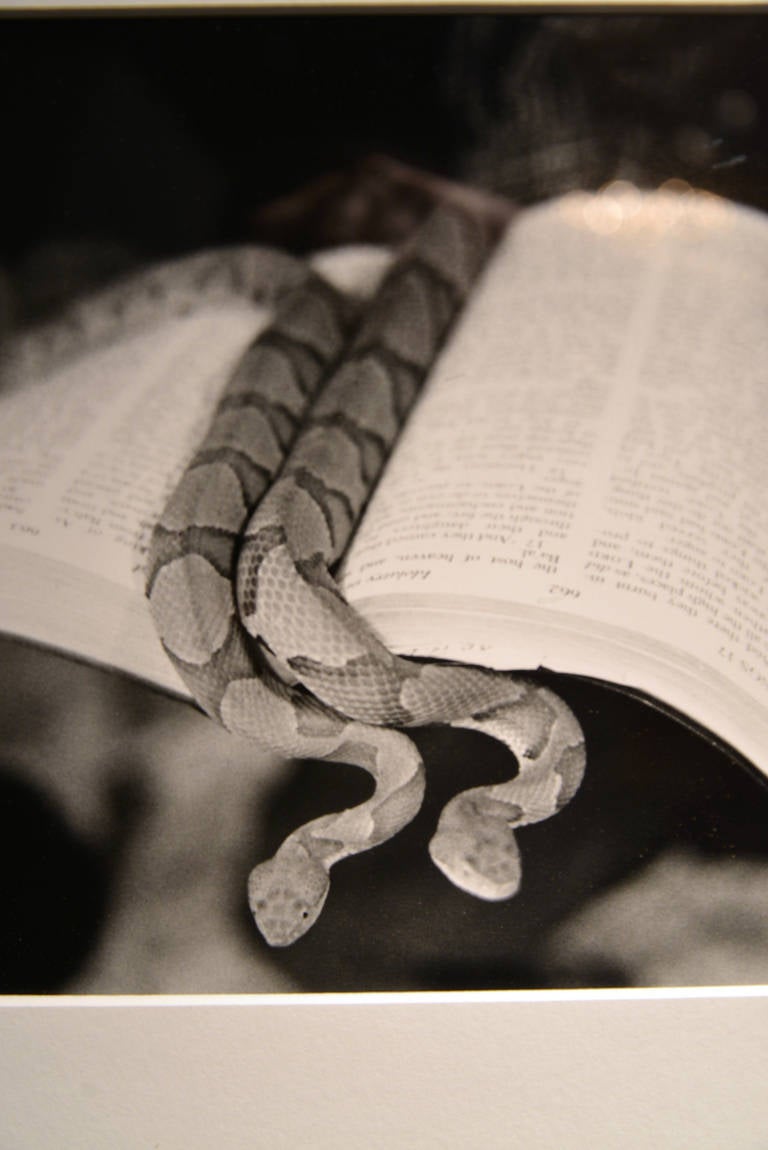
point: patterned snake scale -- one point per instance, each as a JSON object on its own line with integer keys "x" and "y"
{"x": 241, "y": 593}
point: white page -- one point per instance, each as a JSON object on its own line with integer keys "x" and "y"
{"x": 587, "y": 461}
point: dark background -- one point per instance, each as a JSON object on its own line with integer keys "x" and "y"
{"x": 126, "y": 139}
{"x": 161, "y": 135}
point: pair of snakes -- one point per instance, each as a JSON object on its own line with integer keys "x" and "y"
{"x": 241, "y": 589}
{"x": 239, "y": 575}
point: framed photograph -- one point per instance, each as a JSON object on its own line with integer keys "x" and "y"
{"x": 386, "y": 383}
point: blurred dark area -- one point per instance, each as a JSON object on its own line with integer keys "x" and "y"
{"x": 131, "y": 138}
{"x": 130, "y": 823}
{"x": 651, "y": 785}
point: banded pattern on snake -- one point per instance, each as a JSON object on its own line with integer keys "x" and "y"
{"x": 242, "y": 595}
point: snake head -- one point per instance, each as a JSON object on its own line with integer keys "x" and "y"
{"x": 481, "y": 858}
{"x": 286, "y": 895}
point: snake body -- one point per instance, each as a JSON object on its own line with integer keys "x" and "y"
{"x": 241, "y": 591}
{"x": 239, "y": 573}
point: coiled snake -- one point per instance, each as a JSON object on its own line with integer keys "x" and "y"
{"x": 249, "y": 613}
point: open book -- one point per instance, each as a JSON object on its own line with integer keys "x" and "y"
{"x": 580, "y": 488}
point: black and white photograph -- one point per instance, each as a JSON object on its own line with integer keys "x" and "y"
{"x": 383, "y": 541}
{"x": 579, "y": 491}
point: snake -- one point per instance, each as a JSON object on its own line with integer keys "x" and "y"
{"x": 242, "y": 589}
{"x": 241, "y": 564}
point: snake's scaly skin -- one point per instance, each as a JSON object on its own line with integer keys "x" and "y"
{"x": 239, "y": 573}
{"x": 250, "y": 615}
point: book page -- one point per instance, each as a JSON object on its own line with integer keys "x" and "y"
{"x": 91, "y": 450}
{"x": 588, "y": 460}
{"x": 90, "y": 453}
